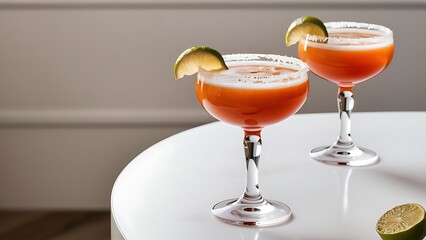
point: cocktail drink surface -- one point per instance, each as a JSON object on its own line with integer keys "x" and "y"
{"x": 353, "y": 53}
{"x": 257, "y": 91}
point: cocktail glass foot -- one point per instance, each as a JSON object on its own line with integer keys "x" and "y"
{"x": 263, "y": 214}
{"x": 348, "y": 156}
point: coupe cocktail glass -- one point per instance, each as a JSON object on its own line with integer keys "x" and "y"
{"x": 353, "y": 52}
{"x": 258, "y": 90}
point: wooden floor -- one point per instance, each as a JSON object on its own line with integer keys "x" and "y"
{"x": 42, "y": 225}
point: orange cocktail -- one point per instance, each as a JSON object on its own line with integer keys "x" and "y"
{"x": 256, "y": 91}
{"x": 352, "y": 53}
{"x": 346, "y": 64}
{"x": 252, "y": 106}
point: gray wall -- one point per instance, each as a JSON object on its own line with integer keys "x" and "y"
{"x": 87, "y": 85}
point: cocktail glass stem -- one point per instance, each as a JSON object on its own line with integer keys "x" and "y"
{"x": 344, "y": 151}
{"x": 345, "y": 102}
{"x": 252, "y": 148}
{"x": 251, "y": 209}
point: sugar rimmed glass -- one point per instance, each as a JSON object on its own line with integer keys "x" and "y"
{"x": 258, "y": 90}
{"x": 354, "y": 52}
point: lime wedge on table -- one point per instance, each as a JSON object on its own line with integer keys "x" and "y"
{"x": 193, "y": 58}
{"x": 303, "y": 26}
{"x": 403, "y": 222}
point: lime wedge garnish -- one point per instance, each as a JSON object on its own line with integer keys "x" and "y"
{"x": 303, "y": 26}
{"x": 404, "y": 222}
{"x": 193, "y": 58}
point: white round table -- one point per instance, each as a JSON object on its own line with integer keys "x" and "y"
{"x": 168, "y": 190}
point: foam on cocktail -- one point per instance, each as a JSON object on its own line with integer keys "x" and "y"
{"x": 256, "y": 75}
{"x": 366, "y": 38}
